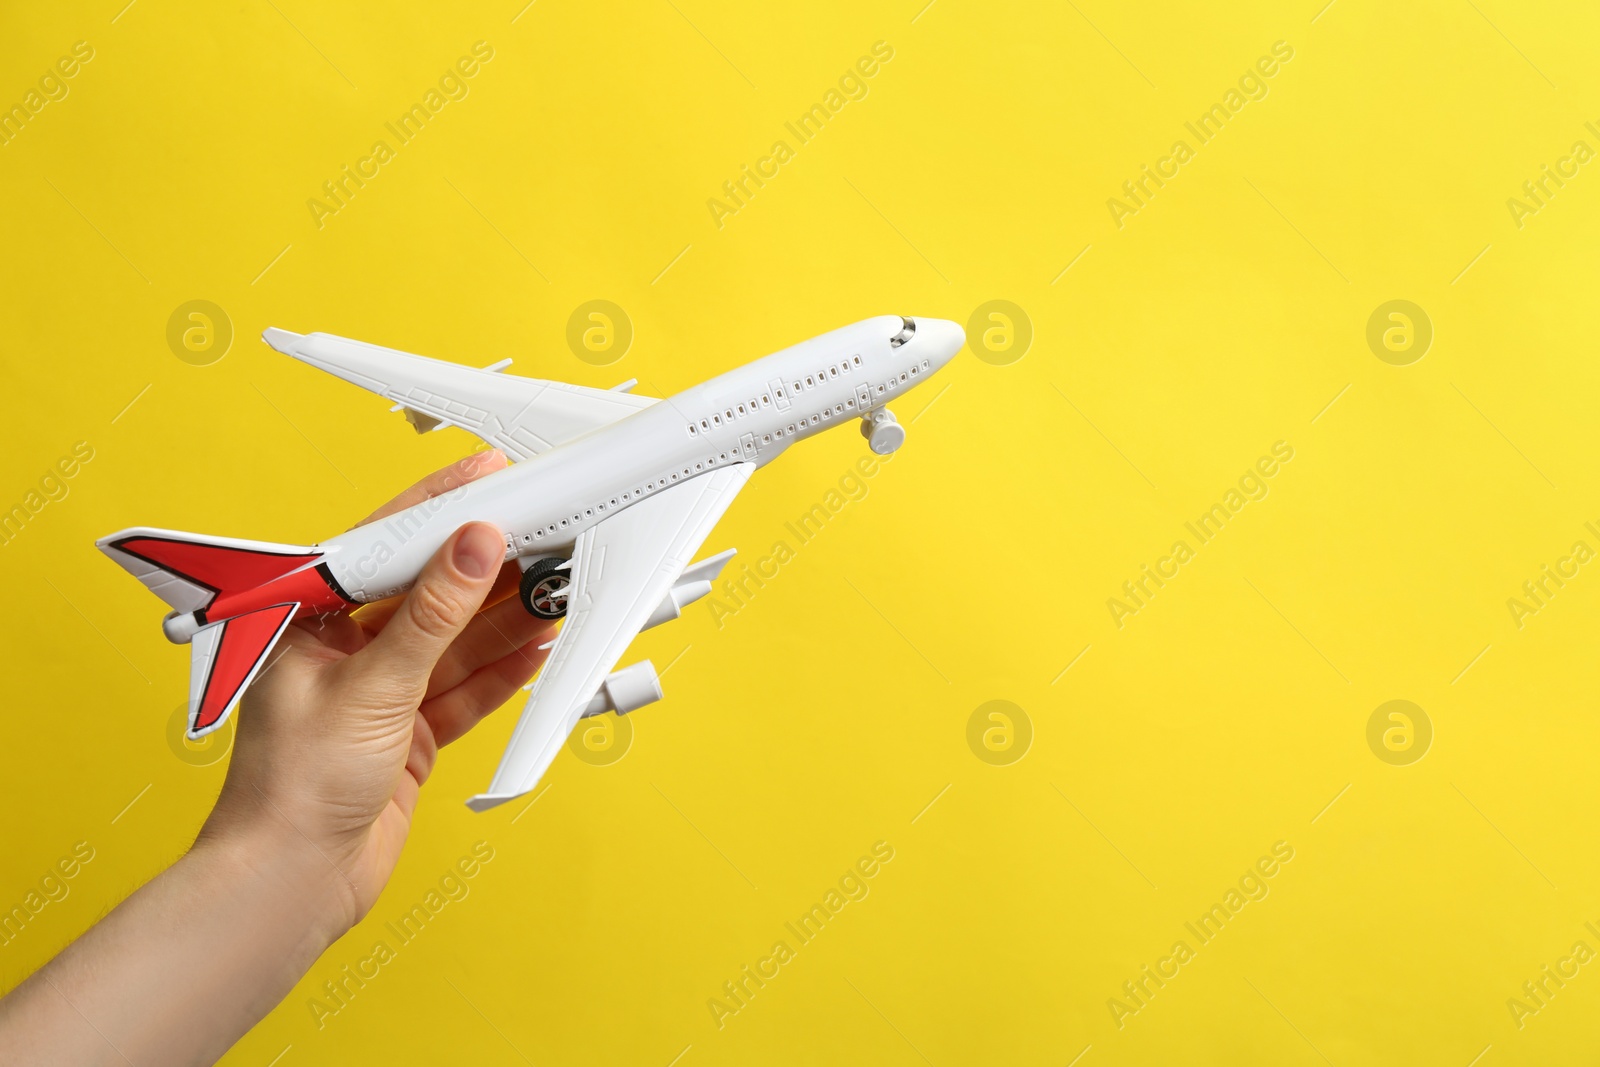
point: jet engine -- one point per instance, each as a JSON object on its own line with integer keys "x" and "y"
{"x": 626, "y": 690}
{"x": 693, "y": 583}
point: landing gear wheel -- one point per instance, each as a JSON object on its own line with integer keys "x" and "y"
{"x": 544, "y": 589}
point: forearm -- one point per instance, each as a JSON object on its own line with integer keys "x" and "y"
{"x": 182, "y": 968}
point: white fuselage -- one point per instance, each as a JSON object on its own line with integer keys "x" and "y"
{"x": 748, "y": 415}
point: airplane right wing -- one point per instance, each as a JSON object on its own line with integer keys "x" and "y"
{"x": 622, "y": 569}
{"x": 520, "y": 416}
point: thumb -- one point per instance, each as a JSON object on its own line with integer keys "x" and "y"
{"x": 444, "y": 599}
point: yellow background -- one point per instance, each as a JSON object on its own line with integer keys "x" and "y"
{"x": 831, "y": 709}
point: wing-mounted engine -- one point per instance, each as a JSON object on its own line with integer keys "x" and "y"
{"x": 633, "y": 687}
{"x": 693, "y": 583}
{"x": 626, "y": 690}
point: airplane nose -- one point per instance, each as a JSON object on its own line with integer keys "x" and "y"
{"x": 942, "y": 337}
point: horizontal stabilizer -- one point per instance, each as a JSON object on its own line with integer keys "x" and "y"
{"x": 225, "y": 657}
{"x": 189, "y": 570}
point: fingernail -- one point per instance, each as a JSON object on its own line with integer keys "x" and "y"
{"x": 478, "y": 550}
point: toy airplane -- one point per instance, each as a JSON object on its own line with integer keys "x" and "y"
{"x": 608, "y": 497}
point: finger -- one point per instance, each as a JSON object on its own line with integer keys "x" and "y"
{"x": 453, "y": 713}
{"x": 446, "y": 595}
{"x": 442, "y": 481}
{"x": 424, "y": 750}
{"x": 493, "y": 633}
{"x": 373, "y": 617}
{"x": 336, "y": 630}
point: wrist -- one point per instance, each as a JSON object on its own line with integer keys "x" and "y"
{"x": 290, "y": 885}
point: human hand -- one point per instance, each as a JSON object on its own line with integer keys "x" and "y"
{"x": 335, "y": 738}
{"x": 338, "y": 733}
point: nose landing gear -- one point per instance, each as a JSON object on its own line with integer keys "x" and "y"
{"x": 882, "y": 432}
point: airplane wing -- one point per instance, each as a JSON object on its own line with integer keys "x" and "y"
{"x": 622, "y": 569}
{"x": 520, "y": 416}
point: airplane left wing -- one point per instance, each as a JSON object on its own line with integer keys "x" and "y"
{"x": 520, "y": 416}
{"x": 622, "y": 569}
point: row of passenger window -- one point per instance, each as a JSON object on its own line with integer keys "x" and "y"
{"x": 765, "y": 400}
{"x": 849, "y": 404}
{"x": 638, "y": 493}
